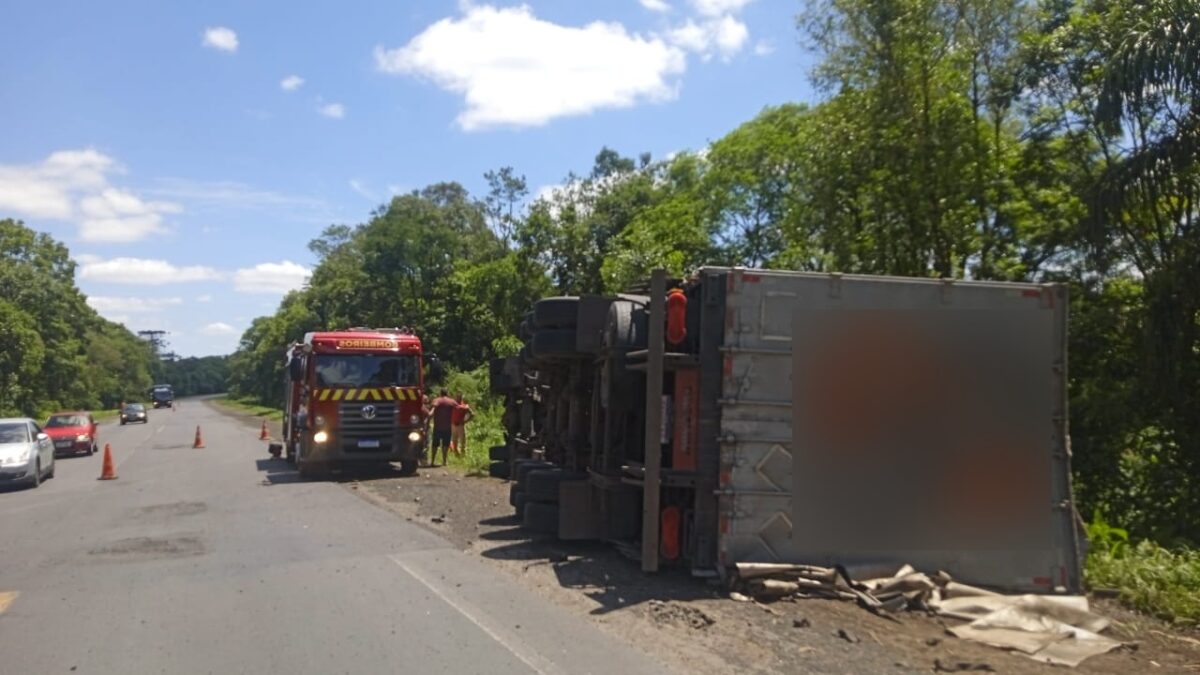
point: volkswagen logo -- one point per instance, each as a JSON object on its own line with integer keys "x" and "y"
{"x": 368, "y": 412}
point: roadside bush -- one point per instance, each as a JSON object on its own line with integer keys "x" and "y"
{"x": 1150, "y": 578}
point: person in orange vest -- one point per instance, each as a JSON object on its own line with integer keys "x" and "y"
{"x": 458, "y": 426}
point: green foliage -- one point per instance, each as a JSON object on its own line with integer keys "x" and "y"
{"x": 195, "y": 376}
{"x": 58, "y": 353}
{"x": 1149, "y": 577}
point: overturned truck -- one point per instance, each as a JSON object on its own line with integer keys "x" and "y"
{"x": 765, "y": 416}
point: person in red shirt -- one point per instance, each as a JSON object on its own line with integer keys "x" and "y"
{"x": 458, "y": 426}
{"x": 441, "y": 410}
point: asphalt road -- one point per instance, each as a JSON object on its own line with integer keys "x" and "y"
{"x": 219, "y": 561}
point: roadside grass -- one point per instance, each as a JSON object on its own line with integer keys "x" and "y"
{"x": 249, "y": 406}
{"x": 101, "y": 415}
{"x": 1148, "y": 577}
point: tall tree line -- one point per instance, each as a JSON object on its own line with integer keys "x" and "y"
{"x": 55, "y": 351}
{"x": 986, "y": 139}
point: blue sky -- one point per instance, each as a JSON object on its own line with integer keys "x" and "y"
{"x": 187, "y": 152}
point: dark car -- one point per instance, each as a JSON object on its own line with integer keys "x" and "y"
{"x": 134, "y": 412}
{"x": 72, "y": 432}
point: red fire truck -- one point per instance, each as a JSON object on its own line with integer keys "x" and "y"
{"x": 354, "y": 397}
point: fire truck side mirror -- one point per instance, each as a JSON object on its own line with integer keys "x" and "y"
{"x": 436, "y": 371}
{"x": 295, "y": 370}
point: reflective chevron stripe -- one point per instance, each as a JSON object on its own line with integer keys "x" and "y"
{"x": 367, "y": 394}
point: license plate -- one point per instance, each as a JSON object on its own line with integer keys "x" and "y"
{"x": 368, "y": 444}
{"x": 62, "y": 444}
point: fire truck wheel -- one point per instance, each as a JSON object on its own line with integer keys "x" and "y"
{"x": 540, "y": 517}
{"x": 312, "y": 471}
{"x": 408, "y": 467}
{"x": 498, "y": 453}
{"x": 555, "y": 312}
{"x": 554, "y": 343}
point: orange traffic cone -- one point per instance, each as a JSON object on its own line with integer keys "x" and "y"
{"x": 263, "y": 435}
{"x": 199, "y": 441}
{"x": 107, "y": 472}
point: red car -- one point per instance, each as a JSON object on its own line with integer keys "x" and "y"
{"x": 72, "y": 432}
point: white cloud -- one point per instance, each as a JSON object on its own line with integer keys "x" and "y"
{"x": 143, "y": 271}
{"x": 725, "y": 35}
{"x": 218, "y": 328}
{"x": 291, "y": 83}
{"x": 362, "y": 190}
{"x": 333, "y": 110}
{"x": 120, "y": 216}
{"x": 515, "y": 69}
{"x": 719, "y": 7}
{"x": 278, "y": 278}
{"x": 228, "y": 194}
{"x": 764, "y": 48}
{"x": 655, "y": 5}
{"x": 108, "y": 306}
{"x": 73, "y": 185}
{"x": 221, "y": 38}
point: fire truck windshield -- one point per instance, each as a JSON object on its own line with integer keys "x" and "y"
{"x": 363, "y": 370}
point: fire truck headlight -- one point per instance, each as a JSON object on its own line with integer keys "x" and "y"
{"x": 320, "y": 437}
{"x": 415, "y": 437}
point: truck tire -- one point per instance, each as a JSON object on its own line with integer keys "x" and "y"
{"x": 542, "y": 485}
{"x": 540, "y": 517}
{"x": 556, "y": 312}
{"x": 514, "y": 492}
{"x": 498, "y": 453}
{"x": 522, "y": 470}
{"x": 408, "y": 467}
{"x": 554, "y": 343}
{"x": 626, "y": 327}
{"x": 519, "y": 501}
{"x": 499, "y": 470}
{"x": 312, "y": 471}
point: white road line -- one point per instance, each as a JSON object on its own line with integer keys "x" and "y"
{"x": 500, "y": 634}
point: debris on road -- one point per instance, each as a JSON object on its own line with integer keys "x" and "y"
{"x": 666, "y": 612}
{"x": 961, "y": 667}
{"x": 1054, "y": 629}
{"x": 847, "y": 636}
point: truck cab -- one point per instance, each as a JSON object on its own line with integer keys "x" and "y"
{"x": 162, "y": 396}
{"x": 355, "y": 398}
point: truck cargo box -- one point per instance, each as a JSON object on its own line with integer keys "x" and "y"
{"x": 880, "y": 420}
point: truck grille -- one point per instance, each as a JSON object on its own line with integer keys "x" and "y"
{"x": 356, "y": 427}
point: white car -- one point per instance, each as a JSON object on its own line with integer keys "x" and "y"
{"x": 26, "y": 452}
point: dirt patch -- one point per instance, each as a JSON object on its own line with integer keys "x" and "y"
{"x": 151, "y": 547}
{"x": 675, "y": 614}
{"x": 173, "y": 510}
{"x": 693, "y": 626}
